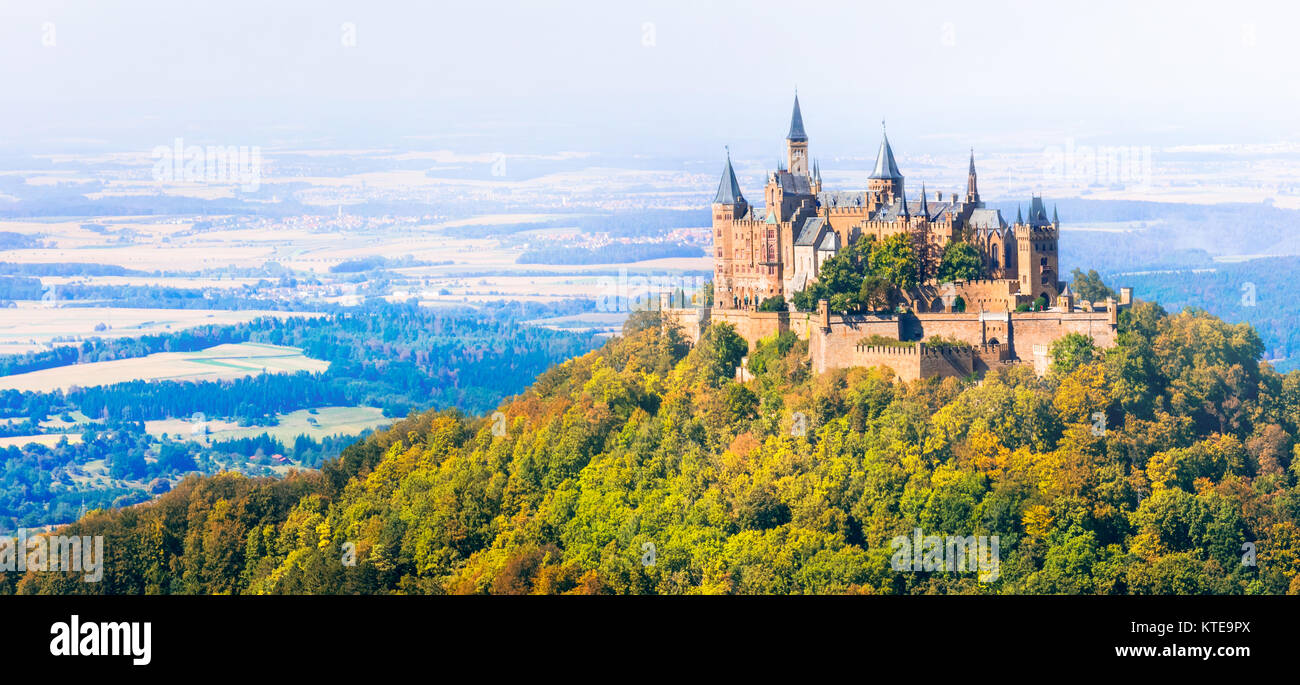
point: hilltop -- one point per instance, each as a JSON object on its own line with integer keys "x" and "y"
{"x": 1162, "y": 465}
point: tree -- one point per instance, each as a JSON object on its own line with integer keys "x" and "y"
{"x": 1090, "y": 287}
{"x": 843, "y": 303}
{"x": 776, "y": 303}
{"x": 721, "y": 350}
{"x": 894, "y": 260}
{"x": 806, "y": 300}
{"x": 1071, "y": 351}
{"x": 875, "y": 293}
{"x": 961, "y": 262}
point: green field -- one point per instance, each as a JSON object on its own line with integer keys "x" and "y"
{"x": 221, "y": 362}
{"x": 325, "y": 422}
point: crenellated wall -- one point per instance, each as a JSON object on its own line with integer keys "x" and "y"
{"x": 750, "y": 325}
{"x": 997, "y": 338}
{"x": 836, "y": 348}
{"x": 837, "y": 341}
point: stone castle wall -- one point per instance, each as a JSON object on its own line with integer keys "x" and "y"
{"x": 997, "y": 338}
{"x": 750, "y": 325}
{"x": 837, "y": 341}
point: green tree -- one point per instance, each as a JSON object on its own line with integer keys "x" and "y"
{"x": 721, "y": 350}
{"x": 1089, "y": 286}
{"x": 960, "y": 262}
{"x": 894, "y": 260}
{"x": 1071, "y": 351}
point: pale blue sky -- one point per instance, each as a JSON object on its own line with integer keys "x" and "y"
{"x": 590, "y": 76}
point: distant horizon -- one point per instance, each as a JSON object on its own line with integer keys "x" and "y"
{"x": 629, "y": 80}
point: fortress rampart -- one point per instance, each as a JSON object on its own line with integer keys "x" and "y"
{"x": 983, "y": 340}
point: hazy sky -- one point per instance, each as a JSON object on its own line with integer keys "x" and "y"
{"x": 637, "y": 76}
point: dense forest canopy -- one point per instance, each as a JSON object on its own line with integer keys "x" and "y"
{"x": 1164, "y": 465}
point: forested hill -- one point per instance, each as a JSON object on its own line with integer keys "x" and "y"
{"x": 1162, "y": 466}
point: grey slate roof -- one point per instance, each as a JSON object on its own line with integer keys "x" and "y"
{"x": 794, "y": 183}
{"x": 811, "y": 227}
{"x": 841, "y": 198}
{"x": 891, "y": 212}
{"x": 830, "y": 243}
{"x": 885, "y": 166}
{"x": 987, "y": 219}
{"x": 728, "y": 188}
{"x": 1038, "y": 212}
{"x": 934, "y": 210}
{"x": 796, "y": 123}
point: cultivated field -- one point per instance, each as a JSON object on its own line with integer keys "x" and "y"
{"x": 325, "y": 421}
{"x": 32, "y": 326}
{"x": 48, "y": 439}
{"x": 215, "y": 363}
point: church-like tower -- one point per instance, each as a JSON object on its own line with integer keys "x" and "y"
{"x": 796, "y": 143}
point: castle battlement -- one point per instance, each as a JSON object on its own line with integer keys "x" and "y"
{"x": 913, "y": 350}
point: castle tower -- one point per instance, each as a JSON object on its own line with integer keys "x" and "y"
{"x": 728, "y": 205}
{"x": 1036, "y": 242}
{"x": 796, "y": 143}
{"x": 886, "y": 181}
{"x": 972, "y": 190}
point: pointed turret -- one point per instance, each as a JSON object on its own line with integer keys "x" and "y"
{"x": 972, "y": 188}
{"x": 886, "y": 167}
{"x": 925, "y": 205}
{"x": 728, "y": 188}
{"x": 1037, "y": 211}
{"x": 796, "y": 143}
{"x": 1020, "y": 219}
{"x": 1056, "y": 220}
{"x": 906, "y": 214}
{"x": 796, "y": 123}
{"x": 885, "y": 181}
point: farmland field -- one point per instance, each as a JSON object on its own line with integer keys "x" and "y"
{"x": 314, "y": 423}
{"x": 47, "y": 439}
{"x": 222, "y": 362}
{"x": 31, "y": 326}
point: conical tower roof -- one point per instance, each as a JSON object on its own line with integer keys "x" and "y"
{"x": 728, "y": 188}
{"x": 796, "y": 123}
{"x": 886, "y": 167}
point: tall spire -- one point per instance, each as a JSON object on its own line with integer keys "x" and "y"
{"x": 972, "y": 189}
{"x": 925, "y": 206}
{"x": 728, "y": 188}
{"x": 1055, "y": 219}
{"x": 1020, "y": 219}
{"x": 906, "y": 214}
{"x": 796, "y": 122}
{"x": 886, "y": 167}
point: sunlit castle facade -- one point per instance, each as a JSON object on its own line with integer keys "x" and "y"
{"x": 776, "y": 248}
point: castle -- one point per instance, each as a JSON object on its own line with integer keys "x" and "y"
{"x": 776, "y": 249}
